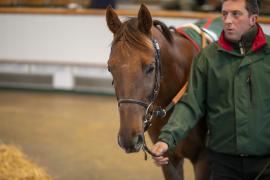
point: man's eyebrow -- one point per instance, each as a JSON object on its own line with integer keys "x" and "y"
{"x": 232, "y": 11}
{"x": 224, "y": 11}
{"x": 235, "y": 11}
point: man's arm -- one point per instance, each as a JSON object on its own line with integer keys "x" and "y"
{"x": 186, "y": 113}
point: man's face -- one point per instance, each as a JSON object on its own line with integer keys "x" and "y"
{"x": 236, "y": 19}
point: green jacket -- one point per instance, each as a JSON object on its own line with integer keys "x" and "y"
{"x": 231, "y": 89}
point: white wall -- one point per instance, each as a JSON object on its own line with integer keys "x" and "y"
{"x": 68, "y": 38}
{"x": 54, "y": 37}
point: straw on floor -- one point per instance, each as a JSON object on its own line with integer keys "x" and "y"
{"x": 14, "y": 165}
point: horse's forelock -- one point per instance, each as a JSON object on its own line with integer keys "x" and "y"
{"x": 131, "y": 35}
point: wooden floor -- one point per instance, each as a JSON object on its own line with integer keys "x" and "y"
{"x": 72, "y": 136}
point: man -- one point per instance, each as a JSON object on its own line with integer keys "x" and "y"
{"x": 229, "y": 84}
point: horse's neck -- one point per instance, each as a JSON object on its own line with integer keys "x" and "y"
{"x": 175, "y": 68}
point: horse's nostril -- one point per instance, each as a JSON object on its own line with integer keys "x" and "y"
{"x": 119, "y": 141}
{"x": 132, "y": 144}
{"x": 138, "y": 142}
{"x": 140, "y": 139}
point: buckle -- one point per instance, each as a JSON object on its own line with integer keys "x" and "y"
{"x": 243, "y": 155}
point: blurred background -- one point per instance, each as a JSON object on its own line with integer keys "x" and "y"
{"x": 194, "y": 5}
{"x": 57, "y": 103}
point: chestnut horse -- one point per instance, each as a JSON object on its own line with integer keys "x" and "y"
{"x": 149, "y": 65}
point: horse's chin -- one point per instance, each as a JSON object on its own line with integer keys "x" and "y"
{"x": 135, "y": 150}
{"x": 132, "y": 147}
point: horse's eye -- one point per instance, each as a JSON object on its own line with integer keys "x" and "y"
{"x": 149, "y": 69}
{"x": 112, "y": 82}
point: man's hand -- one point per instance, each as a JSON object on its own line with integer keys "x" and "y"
{"x": 159, "y": 149}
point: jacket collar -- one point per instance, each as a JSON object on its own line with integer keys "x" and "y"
{"x": 258, "y": 42}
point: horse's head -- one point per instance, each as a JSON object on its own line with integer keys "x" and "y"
{"x": 132, "y": 65}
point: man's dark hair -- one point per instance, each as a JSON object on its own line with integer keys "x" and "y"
{"x": 252, "y": 7}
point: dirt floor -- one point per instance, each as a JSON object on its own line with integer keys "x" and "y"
{"x": 72, "y": 136}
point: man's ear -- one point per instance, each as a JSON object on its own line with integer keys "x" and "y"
{"x": 253, "y": 19}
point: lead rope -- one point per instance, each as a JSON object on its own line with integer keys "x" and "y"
{"x": 147, "y": 150}
{"x": 178, "y": 96}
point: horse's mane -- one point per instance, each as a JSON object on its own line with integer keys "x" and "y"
{"x": 164, "y": 29}
{"x": 130, "y": 33}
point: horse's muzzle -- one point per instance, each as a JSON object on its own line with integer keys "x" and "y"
{"x": 131, "y": 145}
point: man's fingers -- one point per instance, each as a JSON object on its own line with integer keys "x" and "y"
{"x": 164, "y": 159}
{"x": 161, "y": 161}
{"x": 159, "y": 148}
{"x": 160, "y": 158}
{"x": 159, "y": 165}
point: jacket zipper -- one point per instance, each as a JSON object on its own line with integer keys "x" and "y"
{"x": 242, "y": 50}
{"x": 249, "y": 85}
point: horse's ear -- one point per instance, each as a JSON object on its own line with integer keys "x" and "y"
{"x": 112, "y": 19}
{"x": 144, "y": 20}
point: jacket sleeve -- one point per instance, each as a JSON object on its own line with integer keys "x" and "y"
{"x": 191, "y": 108}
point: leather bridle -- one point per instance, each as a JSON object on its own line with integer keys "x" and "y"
{"x": 149, "y": 113}
{"x": 152, "y": 111}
